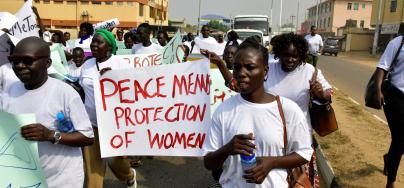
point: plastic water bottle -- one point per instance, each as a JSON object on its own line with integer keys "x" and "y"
{"x": 248, "y": 161}
{"x": 63, "y": 123}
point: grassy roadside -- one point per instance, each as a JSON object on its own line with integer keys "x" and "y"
{"x": 355, "y": 151}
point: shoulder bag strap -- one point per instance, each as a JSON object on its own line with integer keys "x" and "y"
{"x": 394, "y": 62}
{"x": 285, "y": 139}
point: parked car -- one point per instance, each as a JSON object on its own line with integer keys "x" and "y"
{"x": 331, "y": 46}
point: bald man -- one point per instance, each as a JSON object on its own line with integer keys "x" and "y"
{"x": 59, "y": 152}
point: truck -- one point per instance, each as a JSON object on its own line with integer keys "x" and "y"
{"x": 256, "y": 22}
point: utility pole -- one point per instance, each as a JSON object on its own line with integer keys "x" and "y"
{"x": 297, "y": 18}
{"x": 377, "y": 31}
{"x": 317, "y": 12}
{"x": 280, "y": 17}
{"x": 199, "y": 18}
{"x": 270, "y": 12}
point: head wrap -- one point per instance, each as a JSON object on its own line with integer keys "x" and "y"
{"x": 109, "y": 37}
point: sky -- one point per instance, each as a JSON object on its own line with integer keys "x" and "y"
{"x": 188, "y": 9}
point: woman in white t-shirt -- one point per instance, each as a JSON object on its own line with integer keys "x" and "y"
{"x": 103, "y": 48}
{"x": 291, "y": 77}
{"x": 251, "y": 123}
{"x": 59, "y": 147}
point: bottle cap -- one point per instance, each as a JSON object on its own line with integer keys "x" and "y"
{"x": 60, "y": 116}
{"x": 247, "y": 157}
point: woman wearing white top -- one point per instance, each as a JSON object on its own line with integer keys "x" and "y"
{"x": 393, "y": 105}
{"x": 253, "y": 116}
{"x": 291, "y": 78}
{"x": 103, "y": 48}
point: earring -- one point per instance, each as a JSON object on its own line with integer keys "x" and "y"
{"x": 266, "y": 77}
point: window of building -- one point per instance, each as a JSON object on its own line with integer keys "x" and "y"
{"x": 151, "y": 12}
{"x": 393, "y": 6}
{"x": 329, "y": 7}
{"x": 141, "y": 6}
{"x": 58, "y": 1}
{"x": 84, "y": 2}
{"x": 71, "y": 2}
{"x": 329, "y": 22}
{"x": 46, "y": 1}
{"x": 362, "y": 24}
{"x": 130, "y": 3}
{"x": 349, "y": 7}
{"x": 363, "y": 6}
{"x": 356, "y": 6}
{"x": 119, "y": 3}
{"x": 109, "y": 3}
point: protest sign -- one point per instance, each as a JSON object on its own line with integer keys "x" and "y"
{"x": 26, "y": 25}
{"x": 162, "y": 110}
{"x": 19, "y": 159}
{"x": 120, "y": 45}
{"x": 7, "y": 20}
{"x": 109, "y": 24}
{"x": 124, "y": 52}
{"x": 173, "y": 52}
{"x": 219, "y": 92}
{"x": 59, "y": 66}
{"x": 210, "y": 45}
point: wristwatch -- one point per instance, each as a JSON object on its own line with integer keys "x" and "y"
{"x": 57, "y": 136}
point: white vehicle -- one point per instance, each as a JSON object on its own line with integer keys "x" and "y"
{"x": 256, "y": 22}
{"x": 245, "y": 33}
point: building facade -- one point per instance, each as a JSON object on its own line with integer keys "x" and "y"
{"x": 330, "y": 15}
{"x": 69, "y": 14}
{"x": 391, "y": 16}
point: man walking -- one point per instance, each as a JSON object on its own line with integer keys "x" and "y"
{"x": 315, "y": 45}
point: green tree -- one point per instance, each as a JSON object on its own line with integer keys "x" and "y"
{"x": 215, "y": 24}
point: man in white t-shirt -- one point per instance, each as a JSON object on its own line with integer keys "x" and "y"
{"x": 315, "y": 45}
{"x": 205, "y": 42}
{"x": 76, "y": 62}
{"x": 59, "y": 150}
{"x": 146, "y": 46}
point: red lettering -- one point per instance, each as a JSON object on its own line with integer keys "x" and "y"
{"x": 103, "y": 95}
{"x": 191, "y": 138}
{"x": 116, "y": 146}
{"x": 128, "y": 120}
{"x": 122, "y": 89}
{"x": 157, "y": 59}
{"x": 127, "y": 139}
{"x": 137, "y": 62}
{"x": 118, "y": 116}
{"x": 203, "y": 84}
{"x": 200, "y": 139}
{"x": 147, "y": 60}
{"x": 156, "y": 112}
{"x": 168, "y": 135}
{"x": 179, "y": 84}
{"x": 182, "y": 49}
{"x": 156, "y": 138}
{"x": 136, "y": 116}
{"x": 180, "y": 139}
{"x": 190, "y": 83}
{"x": 159, "y": 85}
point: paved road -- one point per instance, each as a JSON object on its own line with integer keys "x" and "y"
{"x": 350, "y": 77}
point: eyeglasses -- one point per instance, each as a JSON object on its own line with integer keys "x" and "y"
{"x": 26, "y": 60}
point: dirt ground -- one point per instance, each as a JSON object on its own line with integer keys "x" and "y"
{"x": 356, "y": 150}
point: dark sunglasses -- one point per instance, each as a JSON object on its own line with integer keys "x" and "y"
{"x": 26, "y": 60}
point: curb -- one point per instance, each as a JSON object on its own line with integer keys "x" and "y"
{"x": 325, "y": 169}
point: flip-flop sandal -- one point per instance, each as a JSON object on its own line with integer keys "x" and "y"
{"x": 136, "y": 163}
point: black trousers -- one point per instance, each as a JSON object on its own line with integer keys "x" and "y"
{"x": 394, "y": 111}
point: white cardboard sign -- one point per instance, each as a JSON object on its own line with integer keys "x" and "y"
{"x": 26, "y": 25}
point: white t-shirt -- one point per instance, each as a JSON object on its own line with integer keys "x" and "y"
{"x": 85, "y": 44}
{"x": 140, "y": 49}
{"x": 397, "y": 76}
{"x": 209, "y": 43}
{"x": 61, "y": 164}
{"x": 315, "y": 42}
{"x": 7, "y": 76}
{"x": 73, "y": 70}
{"x": 89, "y": 73}
{"x": 265, "y": 122}
{"x": 294, "y": 85}
{"x": 271, "y": 58}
